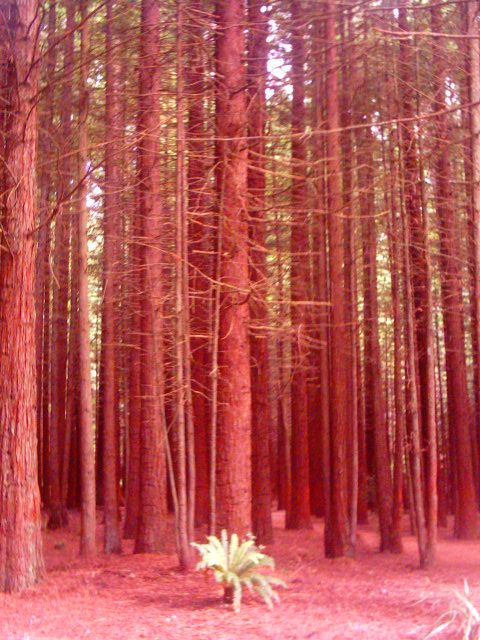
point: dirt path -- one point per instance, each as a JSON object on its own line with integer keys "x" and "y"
{"x": 129, "y": 597}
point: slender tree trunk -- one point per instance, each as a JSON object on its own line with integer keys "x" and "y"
{"x": 321, "y": 503}
{"x": 57, "y": 516}
{"x": 374, "y": 394}
{"x": 395, "y": 254}
{"x": 21, "y": 559}
{"x": 336, "y": 527}
{"x": 185, "y": 439}
{"x": 43, "y": 279}
{"x": 200, "y": 264}
{"x": 112, "y": 539}
{"x": 298, "y": 513}
{"x": 413, "y": 210}
{"x": 87, "y": 451}
{"x": 260, "y": 367}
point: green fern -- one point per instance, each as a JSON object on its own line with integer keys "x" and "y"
{"x": 235, "y": 565}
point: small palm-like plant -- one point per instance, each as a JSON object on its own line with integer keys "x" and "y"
{"x": 236, "y": 564}
{"x": 463, "y": 618}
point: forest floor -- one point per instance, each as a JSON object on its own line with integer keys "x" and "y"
{"x": 128, "y": 597}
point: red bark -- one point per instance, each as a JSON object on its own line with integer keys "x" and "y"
{"x": 374, "y": 394}
{"x": 319, "y": 407}
{"x": 21, "y": 560}
{"x": 260, "y": 369}
{"x": 153, "y": 506}
{"x": 458, "y": 401}
{"x": 112, "y": 539}
{"x": 233, "y": 469}
{"x": 336, "y": 526}
{"x": 298, "y": 513}
{"x": 85, "y": 410}
{"x": 200, "y": 263}
{"x": 58, "y": 424}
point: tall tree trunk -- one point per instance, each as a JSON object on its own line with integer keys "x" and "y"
{"x": 233, "y": 469}
{"x": 21, "y": 560}
{"x": 184, "y": 423}
{"x": 57, "y": 516}
{"x": 374, "y": 394}
{"x": 474, "y": 79}
{"x": 413, "y": 210}
{"x": 336, "y": 527}
{"x": 43, "y": 277}
{"x": 395, "y": 255}
{"x": 298, "y": 513}
{"x": 458, "y": 401}
{"x": 153, "y": 505}
{"x": 321, "y": 413}
{"x": 112, "y": 539}
{"x": 200, "y": 263}
{"x": 87, "y": 450}
{"x": 260, "y": 369}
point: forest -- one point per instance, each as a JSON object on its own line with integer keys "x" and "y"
{"x": 240, "y": 292}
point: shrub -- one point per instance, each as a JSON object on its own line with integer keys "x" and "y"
{"x": 235, "y": 564}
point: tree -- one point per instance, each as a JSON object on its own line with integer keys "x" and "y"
{"x": 112, "y": 539}
{"x": 336, "y": 530}
{"x": 59, "y": 355}
{"x": 153, "y": 507}
{"x": 199, "y": 247}
{"x": 298, "y": 512}
{"x": 87, "y": 453}
{"x": 260, "y": 369}
{"x": 21, "y": 559}
{"x": 233, "y": 469}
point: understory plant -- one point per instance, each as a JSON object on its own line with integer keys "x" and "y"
{"x": 462, "y": 619}
{"x": 235, "y": 564}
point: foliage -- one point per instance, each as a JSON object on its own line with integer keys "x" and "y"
{"x": 235, "y": 564}
{"x": 463, "y": 618}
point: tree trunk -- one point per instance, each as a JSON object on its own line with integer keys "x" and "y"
{"x": 21, "y": 559}
{"x": 336, "y": 527}
{"x": 233, "y": 469}
{"x": 298, "y": 514}
{"x": 374, "y": 394}
{"x": 260, "y": 369}
{"x": 199, "y": 261}
{"x": 153, "y": 505}
{"x": 458, "y": 400}
{"x": 112, "y": 539}
{"x": 87, "y": 450}
{"x": 57, "y": 516}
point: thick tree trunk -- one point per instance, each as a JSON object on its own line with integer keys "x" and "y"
{"x": 458, "y": 400}
{"x": 21, "y": 560}
{"x": 233, "y": 469}
{"x": 153, "y": 504}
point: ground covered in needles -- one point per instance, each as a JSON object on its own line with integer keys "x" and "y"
{"x": 376, "y": 596}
